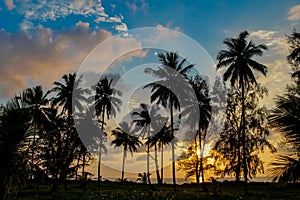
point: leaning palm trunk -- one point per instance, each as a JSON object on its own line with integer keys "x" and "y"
{"x": 197, "y": 161}
{"x": 148, "y": 158}
{"x": 162, "y": 163}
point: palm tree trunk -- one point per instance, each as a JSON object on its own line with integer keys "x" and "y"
{"x": 197, "y": 162}
{"x": 173, "y": 147}
{"x": 244, "y": 138}
{"x": 156, "y": 164}
{"x": 148, "y": 156}
{"x": 123, "y": 165}
{"x": 32, "y": 155}
{"x": 100, "y": 151}
{"x": 162, "y": 164}
{"x": 83, "y": 172}
{"x": 99, "y": 165}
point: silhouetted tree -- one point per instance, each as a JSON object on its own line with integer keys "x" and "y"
{"x": 124, "y": 138}
{"x": 14, "y": 123}
{"x": 172, "y": 75}
{"x": 107, "y": 102}
{"x": 256, "y": 133}
{"x": 284, "y": 118}
{"x": 238, "y": 58}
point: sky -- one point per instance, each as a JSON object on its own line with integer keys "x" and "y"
{"x": 42, "y": 40}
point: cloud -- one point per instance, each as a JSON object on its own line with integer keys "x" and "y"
{"x": 9, "y": 4}
{"x": 52, "y": 10}
{"x": 138, "y": 5}
{"x": 121, "y": 27}
{"x": 275, "y": 41}
{"x": 275, "y": 59}
{"x": 294, "y": 13}
{"x": 43, "y": 57}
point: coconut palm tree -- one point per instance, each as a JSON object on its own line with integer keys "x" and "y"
{"x": 107, "y": 103}
{"x": 69, "y": 96}
{"x": 124, "y": 138}
{"x": 37, "y": 102}
{"x": 172, "y": 75}
{"x": 163, "y": 137}
{"x": 149, "y": 120}
{"x": 238, "y": 58}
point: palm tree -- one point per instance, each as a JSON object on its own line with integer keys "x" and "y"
{"x": 285, "y": 119}
{"x": 163, "y": 137}
{"x": 106, "y": 103}
{"x": 129, "y": 142}
{"x": 148, "y": 120}
{"x": 200, "y": 110}
{"x": 173, "y": 78}
{"x": 294, "y": 56}
{"x": 238, "y": 60}
{"x": 37, "y": 102}
{"x": 69, "y": 96}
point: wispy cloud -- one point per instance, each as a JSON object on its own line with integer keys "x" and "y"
{"x": 275, "y": 59}
{"x": 52, "y": 10}
{"x": 138, "y": 5}
{"x": 9, "y": 4}
{"x": 294, "y": 13}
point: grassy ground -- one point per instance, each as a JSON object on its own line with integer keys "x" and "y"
{"x": 133, "y": 191}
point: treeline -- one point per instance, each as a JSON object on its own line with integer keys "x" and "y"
{"x": 40, "y": 144}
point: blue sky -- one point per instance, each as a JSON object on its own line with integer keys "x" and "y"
{"x": 42, "y": 40}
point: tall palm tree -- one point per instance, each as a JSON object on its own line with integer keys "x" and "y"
{"x": 106, "y": 102}
{"x": 172, "y": 75}
{"x": 238, "y": 58}
{"x": 124, "y": 138}
{"x": 69, "y": 96}
{"x": 37, "y": 102}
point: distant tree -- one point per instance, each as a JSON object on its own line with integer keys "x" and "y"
{"x": 160, "y": 139}
{"x": 238, "y": 58}
{"x": 198, "y": 118}
{"x": 129, "y": 142}
{"x": 228, "y": 145}
{"x": 107, "y": 103}
{"x": 173, "y": 77}
{"x": 149, "y": 121}
{"x": 189, "y": 163}
{"x": 38, "y": 104}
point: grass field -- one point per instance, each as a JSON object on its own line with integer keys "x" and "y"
{"x": 134, "y": 191}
